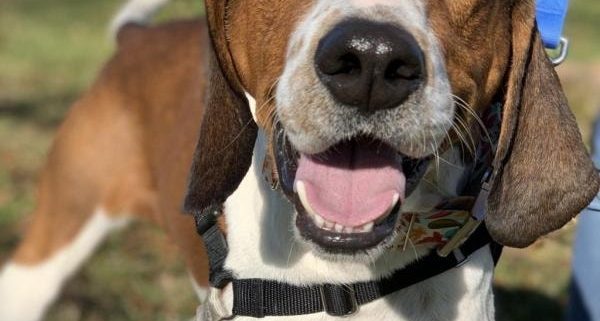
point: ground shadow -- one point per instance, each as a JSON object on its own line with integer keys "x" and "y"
{"x": 43, "y": 112}
{"x": 526, "y": 305}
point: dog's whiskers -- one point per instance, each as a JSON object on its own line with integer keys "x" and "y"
{"x": 456, "y": 166}
{"x": 465, "y": 134}
{"x": 439, "y": 190}
{"x": 414, "y": 248}
{"x": 292, "y": 241}
{"x": 408, "y": 230}
{"x": 449, "y": 163}
{"x": 466, "y": 107}
{"x": 461, "y": 136}
{"x": 436, "y": 154}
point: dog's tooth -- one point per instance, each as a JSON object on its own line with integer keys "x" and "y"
{"x": 395, "y": 200}
{"x": 368, "y": 227}
{"x": 338, "y": 228}
{"x": 301, "y": 191}
{"x": 319, "y": 221}
{"x": 329, "y": 225}
{"x": 348, "y": 230}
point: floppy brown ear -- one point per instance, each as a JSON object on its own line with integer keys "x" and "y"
{"x": 546, "y": 176}
{"x": 228, "y": 132}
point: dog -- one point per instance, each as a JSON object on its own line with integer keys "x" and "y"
{"x": 312, "y": 125}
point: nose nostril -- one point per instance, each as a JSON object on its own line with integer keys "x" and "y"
{"x": 398, "y": 69}
{"x": 347, "y": 64}
{"x": 350, "y": 64}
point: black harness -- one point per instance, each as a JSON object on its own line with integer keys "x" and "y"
{"x": 262, "y": 298}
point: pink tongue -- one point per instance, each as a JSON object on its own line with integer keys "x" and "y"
{"x": 351, "y": 184}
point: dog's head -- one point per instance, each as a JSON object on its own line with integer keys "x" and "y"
{"x": 356, "y": 95}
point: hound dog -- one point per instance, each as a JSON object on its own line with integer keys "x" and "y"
{"x": 307, "y": 117}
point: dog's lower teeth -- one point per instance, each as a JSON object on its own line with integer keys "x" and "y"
{"x": 329, "y": 225}
{"x": 319, "y": 221}
{"x": 368, "y": 227}
{"x": 338, "y": 228}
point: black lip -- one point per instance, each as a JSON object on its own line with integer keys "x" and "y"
{"x": 286, "y": 159}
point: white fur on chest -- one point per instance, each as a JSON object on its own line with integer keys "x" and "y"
{"x": 262, "y": 245}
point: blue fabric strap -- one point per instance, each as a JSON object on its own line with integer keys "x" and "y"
{"x": 551, "y": 19}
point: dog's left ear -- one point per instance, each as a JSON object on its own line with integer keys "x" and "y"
{"x": 546, "y": 174}
{"x": 228, "y": 132}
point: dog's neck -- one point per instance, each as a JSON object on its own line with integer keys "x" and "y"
{"x": 262, "y": 245}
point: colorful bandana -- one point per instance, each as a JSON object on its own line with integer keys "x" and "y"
{"x": 435, "y": 228}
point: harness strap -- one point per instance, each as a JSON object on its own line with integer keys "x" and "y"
{"x": 215, "y": 244}
{"x": 262, "y": 298}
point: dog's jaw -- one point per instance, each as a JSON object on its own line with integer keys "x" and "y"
{"x": 262, "y": 245}
{"x": 256, "y": 208}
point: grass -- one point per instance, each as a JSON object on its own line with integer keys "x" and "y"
{"x": 582, "y": 29}
{"x": 50, "y": 52}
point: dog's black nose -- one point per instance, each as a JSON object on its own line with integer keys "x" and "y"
{"x": 372, "y": 66}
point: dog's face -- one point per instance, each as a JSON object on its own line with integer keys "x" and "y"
{"x": 357, "y": 95}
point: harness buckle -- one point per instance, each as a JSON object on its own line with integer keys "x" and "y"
{"x": 339, "y": 300}
{"x": 459, "y": 238}
{"x": 460, "y": 257}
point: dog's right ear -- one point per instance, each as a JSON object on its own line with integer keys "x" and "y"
{"x": 228, "y": 132}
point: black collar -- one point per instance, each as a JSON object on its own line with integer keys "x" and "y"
{"x": 261, "y": 298}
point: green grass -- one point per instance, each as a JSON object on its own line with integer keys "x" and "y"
{"x": 583, "y": 31}
{"x": 50, "y": 52}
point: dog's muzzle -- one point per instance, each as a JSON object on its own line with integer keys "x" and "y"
{"x": 348, "y": 195}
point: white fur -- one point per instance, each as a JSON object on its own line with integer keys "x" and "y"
{"x": 201, "y": 291}
{"x": 136, "y": 11}
{"x": 26, "y": 291}
{"x": 252, "y": 105}
{"x": 262, "y": 245}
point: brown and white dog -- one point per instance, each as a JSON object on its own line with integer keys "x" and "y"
{"x": 369, "y": 83}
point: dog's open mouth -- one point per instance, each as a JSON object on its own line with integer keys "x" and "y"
{"x": 348, "y": 197}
